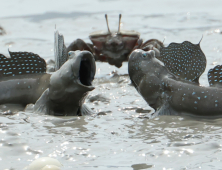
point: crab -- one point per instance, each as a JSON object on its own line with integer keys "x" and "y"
{"x": 113, "y": 47}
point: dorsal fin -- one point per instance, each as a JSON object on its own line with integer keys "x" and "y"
{"x": 186, "y": 60}
{"x": 21, "y": 63}
{"x": 215, "y": 76}
{"x": 60, "y": 50}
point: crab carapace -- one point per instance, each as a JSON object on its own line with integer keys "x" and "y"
{"x": 113, "y": 47}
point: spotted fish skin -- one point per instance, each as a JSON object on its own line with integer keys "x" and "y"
{"x": 168, "y": 94}
{"x": 215, "y": 76}
{"x": 21, "y": 63}
{"x": 185, "y": 60}
{"x": 194, "y": 99}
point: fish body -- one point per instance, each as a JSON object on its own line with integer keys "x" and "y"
{"x": 167, "y": 93}
{"x": 60, "y": 93}
{"x": 23, "y": 89}
{"x": 191, "y": 98}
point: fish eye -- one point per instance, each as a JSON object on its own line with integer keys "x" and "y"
{"x": 144, "y": 55}
{"x": 70, "y": 53}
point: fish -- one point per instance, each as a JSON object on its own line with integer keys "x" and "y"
{"x": 169, "y": 93}
{"x": 69, "y": 86}
{"x": 23, "y": 80}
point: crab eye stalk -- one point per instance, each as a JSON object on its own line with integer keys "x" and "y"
{"x": 120, "y": 16}
{"x": 107, "y": 23}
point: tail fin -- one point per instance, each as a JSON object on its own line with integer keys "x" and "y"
{"x": 60, "y": 50}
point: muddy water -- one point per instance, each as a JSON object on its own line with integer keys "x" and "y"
{"x": 121, "y": 136}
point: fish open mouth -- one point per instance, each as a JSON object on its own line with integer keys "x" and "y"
{"x": 87, "y": 69}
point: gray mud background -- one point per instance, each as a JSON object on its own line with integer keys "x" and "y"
{"x": 120, "y": 136}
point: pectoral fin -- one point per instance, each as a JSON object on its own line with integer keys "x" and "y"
{"x": 41, "y": 105}
{"x": 84, "y": 110}
{"x": 165, "y": 109}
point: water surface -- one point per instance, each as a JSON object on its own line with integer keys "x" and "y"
{"x": 121, "y": 136}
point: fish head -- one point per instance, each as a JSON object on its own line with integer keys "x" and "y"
{"x": 146, "y": 73}
{"x": 71, "y": 83}
{"x": 142, "y": 63}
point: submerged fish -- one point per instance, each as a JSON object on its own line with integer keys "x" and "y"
{"x": 169, "y": 94}
{"x": 23, "y": 80}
